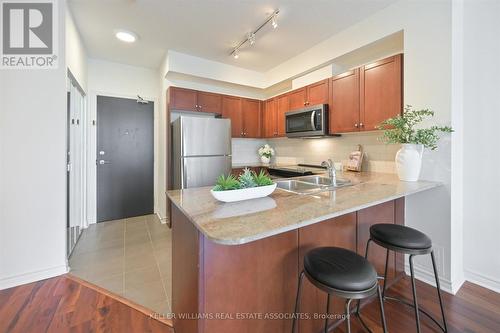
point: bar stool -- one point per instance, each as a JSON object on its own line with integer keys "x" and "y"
{"x": 343, "y": 273}
{"x": 406, "y": 240}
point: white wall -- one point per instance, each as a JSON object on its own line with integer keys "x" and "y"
{"x": 114, "y": 79}
{"x": 33, "y": 171}
{"x": 481, "y": 158}
{"x": 76, "y": 55}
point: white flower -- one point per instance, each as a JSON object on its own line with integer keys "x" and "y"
{"x": 266, "y": 150}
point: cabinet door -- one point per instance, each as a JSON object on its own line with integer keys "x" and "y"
{"x": 383, "y": 213}
{"x": 344, "y": 105}
{"x": 270, "y": 120}
{"x": 183, "y": 99}
{"x": 381, "y": 92}
{"x": 251, "y": 112}
{"x": 317, "y": 93}
{"x": 282, "y": 108}
{"x": 209, "y": 102}
{"x": 297, "y": 99}
{"x": 231, "y": 109}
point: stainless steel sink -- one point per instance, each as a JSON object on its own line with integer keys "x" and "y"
{"x": 296, "y": 186}
{"x": 310, "y": 184}
{"x": 324, "y": 181}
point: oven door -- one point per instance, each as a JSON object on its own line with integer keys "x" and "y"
{"x": 306, "y": 122}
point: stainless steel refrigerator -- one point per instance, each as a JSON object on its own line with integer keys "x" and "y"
{"x": 201, "y": 151}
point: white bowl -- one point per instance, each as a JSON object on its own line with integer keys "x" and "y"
{"x": 244, "y": 194}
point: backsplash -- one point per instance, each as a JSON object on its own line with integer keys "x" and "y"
{"x": 245, "y": 150}
{"x": 379, "y": 157}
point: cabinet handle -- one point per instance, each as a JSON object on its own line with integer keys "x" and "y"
{"x": 356, "y": 125}
{"x": 361, "y": 125}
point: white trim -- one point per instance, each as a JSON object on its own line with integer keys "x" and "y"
{"x": 92, "y": 150}
{"x": 483, "y": 280}
{"x": 426, "y": 276}
{"x": 163, "y": 220}
{"x": 43, "y": 274}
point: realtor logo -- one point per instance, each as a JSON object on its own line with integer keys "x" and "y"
{"x": 28, "y": 34}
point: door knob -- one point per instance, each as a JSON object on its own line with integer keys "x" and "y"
{"x": 101, "y": 162}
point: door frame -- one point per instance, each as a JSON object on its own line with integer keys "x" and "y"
{"x": 92, "y": 150}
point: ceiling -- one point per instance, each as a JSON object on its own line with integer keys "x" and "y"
{"x": 210, "y": 28}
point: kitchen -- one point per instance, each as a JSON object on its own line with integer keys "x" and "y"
{"x": 253, "y": 153}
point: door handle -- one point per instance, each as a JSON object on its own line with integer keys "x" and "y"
{"x": 101, "y": 162}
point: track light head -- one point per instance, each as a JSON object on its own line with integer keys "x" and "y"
{"x": 251, "y": 38}
{"x": 236, "y": 53}
{"x": 274, "y": 21}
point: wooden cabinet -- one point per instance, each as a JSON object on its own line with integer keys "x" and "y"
{"x": 245, "y": 116}
{"x": 281, "y": 109}
{"x": 231, "y": 109}
{"x": 252, "y": 117}
{"x": 209, "y": 102}
{"x": 183, "y": 99}
{"x": 364, "y": 97}
{"x": 344, "y": 104}
{"x": 381, "y": 91}
{"x": 316, "y": 93}
{"x": 297, "y": 99}
{"x": 269, "y": 122}
{"x": 192, "y": 100}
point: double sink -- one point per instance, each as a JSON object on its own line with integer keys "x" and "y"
{"x": 311, "y": 184}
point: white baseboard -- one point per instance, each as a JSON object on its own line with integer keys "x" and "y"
{"x": 427, "y": 276}
{"x": 163, "y": 220}
{"x": 20, "y": 279}
{"x": 483, "y": 280}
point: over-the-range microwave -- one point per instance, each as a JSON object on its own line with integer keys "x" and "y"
{"x": 308, "y": 122}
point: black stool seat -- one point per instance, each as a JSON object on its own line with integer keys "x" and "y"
{"x": 340, "y": 269}
{"x": 400, "y": 236}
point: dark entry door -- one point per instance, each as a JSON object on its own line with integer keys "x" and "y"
{"x": 124, "y": 158}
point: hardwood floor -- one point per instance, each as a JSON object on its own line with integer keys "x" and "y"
{"x": 65, "y": 304}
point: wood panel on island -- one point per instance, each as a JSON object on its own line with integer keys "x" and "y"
{"x": 262, "y": 276}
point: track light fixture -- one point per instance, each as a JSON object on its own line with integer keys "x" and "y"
{"x": 250, "y": 38}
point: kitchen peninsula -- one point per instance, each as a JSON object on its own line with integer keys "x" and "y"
{"x": 236, "y": 265}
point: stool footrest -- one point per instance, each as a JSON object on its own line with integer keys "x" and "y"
{"x": 407, "y": 303}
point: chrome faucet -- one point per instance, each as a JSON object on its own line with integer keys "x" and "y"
{"x": 332, "y": 174}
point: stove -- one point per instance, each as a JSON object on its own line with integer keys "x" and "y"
{"x": 294, "y": 170}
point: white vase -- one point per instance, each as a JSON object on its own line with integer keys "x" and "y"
{"x": 265, "y": 159}
{"x": 409, "y": 162}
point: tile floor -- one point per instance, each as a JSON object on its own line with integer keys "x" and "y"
{"x": 130, "y": 257}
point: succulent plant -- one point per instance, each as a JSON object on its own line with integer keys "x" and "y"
{"x": 246, "y": 179}
{"x": 225, "y": 183}
{"x": 262, "y": 179}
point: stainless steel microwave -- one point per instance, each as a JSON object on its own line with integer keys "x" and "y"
{"x": 308, "y": 122}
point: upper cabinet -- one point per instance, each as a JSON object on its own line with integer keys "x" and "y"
{"x": 269, "y": 123}
{"x": 316, "y": 93}
{"x": 231, "y": 109}
{"x": 297, "y": 99}
{"x": 381, "y": 91}
{"x": 364, "y": 97}
{"x": 193, "y": 100}
{"x": 282, "y": 103}
{"x": 344, "y": 105}
{"x": 209, "y": 102}
{"x": 252, "y": 117}
{"x": 183, "y": 99}
{"x": 245, "y": 115}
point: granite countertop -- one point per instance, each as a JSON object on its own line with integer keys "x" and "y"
{"x": 247, "y": 221}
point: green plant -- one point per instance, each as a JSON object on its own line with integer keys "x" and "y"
{"x": 262, "y": 179}
{"x": 225, "y": 183}
{"x": 246, "y": 179}
{"x": 401, "y": 129}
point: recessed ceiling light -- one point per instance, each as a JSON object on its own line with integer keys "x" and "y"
{"x": 126, "y": 36}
